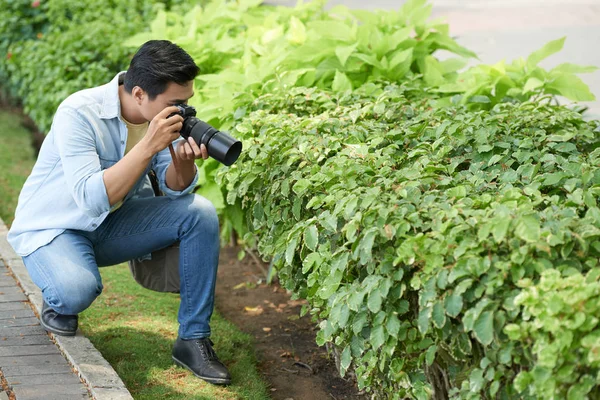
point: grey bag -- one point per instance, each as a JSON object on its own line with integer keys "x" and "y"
{"x": 161, "y": 272}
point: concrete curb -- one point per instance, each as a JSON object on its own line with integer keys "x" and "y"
{"x": 100, "y": 377}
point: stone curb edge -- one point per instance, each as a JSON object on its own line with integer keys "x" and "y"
{"x": 99, "y": 376}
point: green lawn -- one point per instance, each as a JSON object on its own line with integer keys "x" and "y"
{"x": 132, "y": 327}
{"x": 16, "y": 160}
{"x": 135, "y": 328}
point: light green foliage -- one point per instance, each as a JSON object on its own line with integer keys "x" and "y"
{"x": 483, "y": 86}
{"x": 560, "y": 329}
{"x": 409, "y": 229}
{"x": 246, "y": 50}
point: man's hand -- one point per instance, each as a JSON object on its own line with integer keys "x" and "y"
{"x": 189, "y": 151}
{"x": 162, "y": 131}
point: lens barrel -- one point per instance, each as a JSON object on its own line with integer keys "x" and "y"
{"x": 221, "y": 146}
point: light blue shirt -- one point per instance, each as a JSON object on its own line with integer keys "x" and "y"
{"x": 66, "y": 188}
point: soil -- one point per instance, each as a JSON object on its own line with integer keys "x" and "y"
{"x": 289, "y": 358}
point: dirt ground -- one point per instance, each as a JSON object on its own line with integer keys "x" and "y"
{"x": 289, "y": 358}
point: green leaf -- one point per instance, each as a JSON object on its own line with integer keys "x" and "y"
{"x": 572, "y": 87}
{"x": 433, "y": 72}
{"x": 401, "y": 60}
{"x": 423, "y": 320}
{"x": 528, "y": 228}
{"x": 366, "y": 245}
{"x": 393, "y": 325}
{"x": 355, "y": 301}
{"x": 343, "y": 52}
{"x": 479, "y": 99}
{"x": 500, "y": 228}
{"x": 438, "y": 315}
{"x": 484, "y": 327}
{"x": 430, "y": 354}
{"x": 297, "y": 31}
{"x": 547, "y": 50}
{"x": 453, "y": 304}
{"x": 291, "y": 250}
{"x": 301, "y": 186}
{"x": 377, "y": 336}
{"x": 573, "y": 68}
{"x": 345, "y": 360}
{"x": 532, "y": 84}
{"x": 341, "y": 83}
{"x": 374, "y": 302}
{"x": 311, "y": 237}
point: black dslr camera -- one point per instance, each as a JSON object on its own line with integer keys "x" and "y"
{"x": 221, "y": 146}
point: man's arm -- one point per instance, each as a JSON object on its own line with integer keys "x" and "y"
{"x": 182, "y": 170}
{"x": 121, "y": 177}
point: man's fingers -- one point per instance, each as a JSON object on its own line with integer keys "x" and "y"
{"x": 176, "y": 128}
{"x": 194, "y": 146}
{"x": 168, "y": 111}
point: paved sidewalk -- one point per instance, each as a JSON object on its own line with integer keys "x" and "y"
{"x": 30, "y": 362}
{"x": 39, "y": 365}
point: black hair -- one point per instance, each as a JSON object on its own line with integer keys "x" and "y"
{"x": 156, "y": 64}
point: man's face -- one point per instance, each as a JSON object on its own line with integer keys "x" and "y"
{"x": 175, "y": 94}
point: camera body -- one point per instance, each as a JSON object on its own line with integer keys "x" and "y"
{"x": 185, "y": 111}
{"x": 221, "y": 146}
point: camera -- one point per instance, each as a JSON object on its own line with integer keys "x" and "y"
{"x": 221, "y": 146}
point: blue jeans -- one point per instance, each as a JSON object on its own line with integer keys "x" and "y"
{"x": 66, "y": 269}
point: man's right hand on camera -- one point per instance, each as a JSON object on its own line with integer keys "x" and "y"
{"x": 162, "y": 130}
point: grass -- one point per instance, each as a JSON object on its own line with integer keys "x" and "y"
{"x": 132, "y": 327}
{"x": 135, "y": 329}
{"x": 16, "y": 160}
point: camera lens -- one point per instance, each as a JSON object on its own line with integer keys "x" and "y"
{"x": 221, "y": 146}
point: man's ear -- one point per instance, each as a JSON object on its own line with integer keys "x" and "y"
{"x": 138, "y": 95}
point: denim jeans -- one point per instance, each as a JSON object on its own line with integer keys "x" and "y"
{"x": 66, "y": 269}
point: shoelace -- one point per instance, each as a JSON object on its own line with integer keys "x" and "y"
{"x": 206, "y": 349}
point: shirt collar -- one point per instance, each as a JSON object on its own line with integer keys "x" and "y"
{"x": 111, "y": 104}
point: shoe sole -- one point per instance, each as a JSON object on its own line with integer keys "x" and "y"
{"x": 57, "y": 331}
{"x": 214, "y": 381}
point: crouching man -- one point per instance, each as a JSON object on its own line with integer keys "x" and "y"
{"x": 86, "y": 203}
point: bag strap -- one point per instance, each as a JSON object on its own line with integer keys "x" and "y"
{"x": 154, "y": 183}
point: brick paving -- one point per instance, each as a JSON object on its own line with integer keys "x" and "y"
{"x": 30, "y": 361}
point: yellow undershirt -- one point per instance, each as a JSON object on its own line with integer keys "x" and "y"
{"x": 135, "y": 133}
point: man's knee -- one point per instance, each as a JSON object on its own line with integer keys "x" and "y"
{"x": 74, "y": 294}
{"x": 203, "y": 213}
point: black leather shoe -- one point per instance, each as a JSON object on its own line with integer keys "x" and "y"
{"x": 198, "y": 356}
{"x": 59, "y": 324}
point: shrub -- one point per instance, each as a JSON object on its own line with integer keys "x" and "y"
{"x": 409, "y": 229}
{"x": 70, "y": 46}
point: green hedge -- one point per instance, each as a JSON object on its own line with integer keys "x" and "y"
{"x": 412, "y": 230}
{"x": 59, "y": 47}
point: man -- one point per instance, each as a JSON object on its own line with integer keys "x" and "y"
{"x": 88, "y": 203}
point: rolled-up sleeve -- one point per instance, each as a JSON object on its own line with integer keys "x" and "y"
{"x": 74, "y": 138}
{"x": 160, "y": 164}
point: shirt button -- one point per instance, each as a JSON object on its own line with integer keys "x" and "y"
{"x": 94, "y": 225}
{"x": 122, "y": 142}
